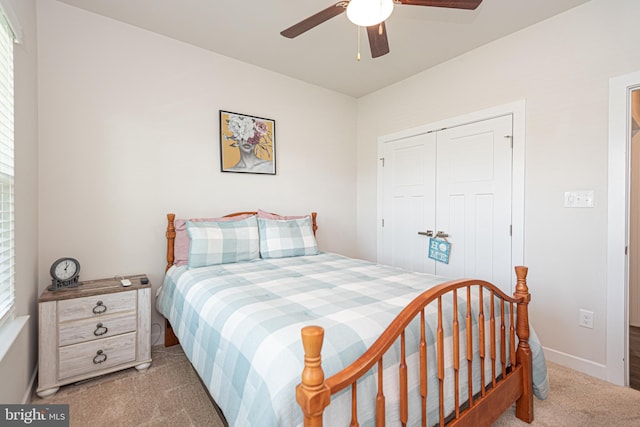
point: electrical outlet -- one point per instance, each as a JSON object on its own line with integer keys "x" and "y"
{"x": 586, "y": 319}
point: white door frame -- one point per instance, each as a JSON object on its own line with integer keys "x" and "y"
{"x": 618, "y": 227}
{"x": 517, "y": 109}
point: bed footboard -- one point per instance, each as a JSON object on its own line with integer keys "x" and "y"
{"x": 508, "y": 383}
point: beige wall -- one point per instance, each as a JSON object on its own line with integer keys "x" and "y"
{"x": 561, "y": 68}
{"x": 18, "y": 366}
{"x": 129, "y": 131}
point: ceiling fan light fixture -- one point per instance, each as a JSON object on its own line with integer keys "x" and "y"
{"x": 366, "y": 13}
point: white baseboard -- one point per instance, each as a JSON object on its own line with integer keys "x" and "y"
{"x": 585, "y": 366}
{"x": 32, "y": 385}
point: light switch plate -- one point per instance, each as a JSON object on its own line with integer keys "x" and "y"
{"x": 578, "y": 199}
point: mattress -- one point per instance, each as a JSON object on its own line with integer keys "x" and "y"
{"x": 239, "y": 324}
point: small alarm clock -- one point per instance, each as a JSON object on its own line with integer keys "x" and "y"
{"x": 64, "y": 273}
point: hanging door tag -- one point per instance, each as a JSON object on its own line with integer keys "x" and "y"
{"x": 439, "y": 250}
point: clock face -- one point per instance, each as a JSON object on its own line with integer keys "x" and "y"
{"x": 65, "y": 269}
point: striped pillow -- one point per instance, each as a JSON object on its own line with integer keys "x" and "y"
{"x": 222, "y": 242}
{"x": 286, "y": 238}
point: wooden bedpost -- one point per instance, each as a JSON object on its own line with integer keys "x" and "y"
{"x": 312, "y": 394}
{"x": 524, "y": 405}
{"x": 170, "y": 338}
{"x": 171, "y": 236}
{"x": 313, "y": 222}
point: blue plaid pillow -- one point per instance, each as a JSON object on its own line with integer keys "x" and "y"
{"x": 222, "y": 242}
{"x": 285, "y": 238}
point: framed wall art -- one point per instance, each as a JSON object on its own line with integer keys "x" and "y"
{"x": 247, "y": 143}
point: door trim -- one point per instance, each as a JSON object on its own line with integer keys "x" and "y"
{"x": 618, "y": 228}
{"x": 517, "y": 111}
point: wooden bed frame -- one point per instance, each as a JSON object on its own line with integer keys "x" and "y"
{"x": 508, "y": 384}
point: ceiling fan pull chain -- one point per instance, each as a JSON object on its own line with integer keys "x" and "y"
{"x": 358, "y": 56}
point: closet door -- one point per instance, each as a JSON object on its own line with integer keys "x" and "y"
{"x": 408, "y": 183}
{"x": 473, "y": 200}
{"x": 455, "y": 182}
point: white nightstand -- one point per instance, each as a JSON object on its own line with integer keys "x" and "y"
{"x": 93, "y": 329}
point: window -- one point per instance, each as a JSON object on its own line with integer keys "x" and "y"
{"x": 7, "y": 252}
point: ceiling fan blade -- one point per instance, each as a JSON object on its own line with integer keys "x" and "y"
{"x": 454, "y": 4}
{"x": 314, "y": 20}
{"x": 378, "y": 40}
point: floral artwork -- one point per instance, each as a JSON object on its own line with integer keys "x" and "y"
{"x": 247, "y": 143}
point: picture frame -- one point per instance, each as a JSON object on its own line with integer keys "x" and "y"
{"x": 247, "y": 143}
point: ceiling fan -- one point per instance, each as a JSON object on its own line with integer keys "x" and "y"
{"x": 371, "y": 14}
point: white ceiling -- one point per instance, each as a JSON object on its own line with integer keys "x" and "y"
{"x": 249, "y": 30}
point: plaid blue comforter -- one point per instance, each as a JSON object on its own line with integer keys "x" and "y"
{"x": 239, "y": 324}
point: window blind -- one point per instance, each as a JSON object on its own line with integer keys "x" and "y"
{"x": 7, "y": 252}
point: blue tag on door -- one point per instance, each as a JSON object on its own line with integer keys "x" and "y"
{"x": 439, "y": 250}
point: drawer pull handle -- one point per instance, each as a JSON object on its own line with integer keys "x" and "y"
{"x": 99, "y": 357}
{"x": 99, "y": 308}
{"x": 100, "y": 330}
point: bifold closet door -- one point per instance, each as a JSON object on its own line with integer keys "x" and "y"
{"x": 454, "y": 183}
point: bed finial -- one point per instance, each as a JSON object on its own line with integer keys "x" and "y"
{"x": 171, "y": 236}
{"x": 521, "y": 284}
{"x": 312, "y": 394}
{"x": 313, "y": 222}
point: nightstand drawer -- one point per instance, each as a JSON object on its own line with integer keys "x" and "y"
{"x": 78, "y": 359}
{"x": 94, "y": 306}
{"x": 96, "y": 328}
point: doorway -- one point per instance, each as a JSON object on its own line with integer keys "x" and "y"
{"x": 634, "y": 242}
{"x": 618, "y": 214}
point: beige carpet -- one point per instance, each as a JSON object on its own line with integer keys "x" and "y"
{"x": 576, "y": 399}
{"x": 169, "y": 393}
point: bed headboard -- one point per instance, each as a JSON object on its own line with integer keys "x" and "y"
{"x": 171, "y": 232}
